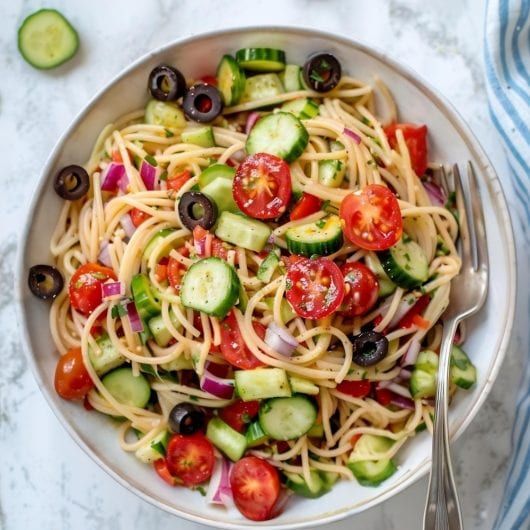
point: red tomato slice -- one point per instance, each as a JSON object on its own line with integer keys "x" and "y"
{"x": 85, "y": 287}
{"x": 72, "y": 380}
{"x": 383, "y": 396}
{"x": 315, "y": 287}
{"x": 255, "y": 487}
{"x": 361, "y": 289}
{"x": 239, "y": 414}
{"x": 163, "y": 472}
{"x": 177, "y": 181}
{"x": 233, "y": 347}
{"x": 209, "y": 80}
{"x": 306, "y": 205}
{"x": 262, "y": 186}
{"x": 358, "y": 389}
{"x": 372, "y": 218}
{"x": 419, "y": 307}
{"x": 138, "y": 217}
{"x": 416, "y": 139}
{"x": 175, "y": 272}
{"x": 190, "y": 458}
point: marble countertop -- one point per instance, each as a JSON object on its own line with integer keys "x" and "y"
{"x": 45, "y": 479}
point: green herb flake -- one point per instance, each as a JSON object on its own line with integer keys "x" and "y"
{"x": 366, "y": 121}
{"x": 201, "y": 490}
{"x": 321, "y": 223}
{"x": 194, "y": 398}
{"x": 118, "y": 311}
{"x": 169, "y": 133}
{"x": 407, "y": 256}
{"x": 151, "y": 160}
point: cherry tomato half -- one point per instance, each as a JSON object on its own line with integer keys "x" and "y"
{"x": 233, "y": 347}
{"x": 239, "y": 414}
{"x": 372, "y": 218}
{"x": 315, "y": 287}
{"x": 162, "y": 471}
{"x": 255, "y": 487}
{"x": 416, "y": 139}
{"x": 358, "y": 389}
{"x": 138, "y": 217}
{"x": 306, "y": 205}
{"x": 177, "y": 181}
{"x": 190, "y": 458}
{"x": 85, "y": 286}
{"x": 361, "y": 289}
{"x": 72, "y": 380}
{"x": 262, "y": 186}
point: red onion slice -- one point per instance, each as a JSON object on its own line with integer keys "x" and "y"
{"x": 280, "y": 340}
{"x": 111, "y": 176}
{"x": 252, "y": 118}
{"x": 412, "y": 353}
{"x": 149, "y": 174}
{"x": 354, "y": 136}
{"x": 436, "y": 193}
{"x": 219, "y": 490}
{"x": 134, "y": 318}
{"x": 217, "y": 386}
{"x": 112, "y": 289}
{"x": 104, "y": 256}
{"x": 402, "y": 402}
{"x": 127, "y": 225}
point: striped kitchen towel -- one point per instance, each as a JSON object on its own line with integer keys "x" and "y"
{"x": 507, "y": 61}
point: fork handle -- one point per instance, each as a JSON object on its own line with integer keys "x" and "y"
{"x": 442, "y": 511}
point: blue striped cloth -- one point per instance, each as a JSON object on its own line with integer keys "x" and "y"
{"x": 507, "y": 60}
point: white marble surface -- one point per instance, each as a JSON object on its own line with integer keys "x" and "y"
{"x": 46, "y": 481}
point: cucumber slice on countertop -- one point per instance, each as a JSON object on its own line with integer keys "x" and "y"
{"x": 230, "y": 80}
{"x": 242, "y": 231}
{"x": 323, "y": 237}
{"x": 261, "y": 383}
{"x": 280, "y": 134}
{"x": 226, "y": 439}
{"x": 201, "y": 136}
{"x": 261, "y": 59}
{"x": 302, "y": 108}
{"x": 290, "y": 78}
{"x": 107, "y": 358}
{"x": 166, "y": 114}
{"x": 261, "y": 86}
{"x": 405, "y": 264}
{"x": 126, "y": 388}
{"x": 144, "y": 300}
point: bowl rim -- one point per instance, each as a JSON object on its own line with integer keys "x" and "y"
{"x": 492, "y": 182}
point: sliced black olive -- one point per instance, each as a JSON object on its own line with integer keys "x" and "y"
{"x": 369, "y": 347}
{"x": 166, "y": 83}
{"x": 322, "y": 72}
{"x": 197, "y": 209}
{"x": 72, "y": 183}
{"x": 202, "y": 103}
{"x": 186, "y": 418}
{"x": 45, "y": 281}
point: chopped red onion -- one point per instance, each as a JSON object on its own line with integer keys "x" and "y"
{"x": 127, "y": 225}
{"x": 404, "y": 375}
{"x": 402, "y": 402}
{"x": 219, "y": 490}
{"x": 280, "y": 340}
{"x": 112, "y": 289}
{"x": 398, "y": 389}
{"x": 354, "y": 136}
{"x": 124, "y": 183}
{"x": 436, "y": 193}
{"x": 412, "y": 353}
{"x": 406, "y": 303}
{"x": 149, "y": 174}
{"x": 111, "y": 176}
{"x": 104, "y": 256}
{"x": 252, "y": 118}
{"x": 217, "y": 386}
{"x": 208, "y": 245}
{"x": 134, "y": 318}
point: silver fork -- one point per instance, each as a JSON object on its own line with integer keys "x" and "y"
{"x": 468, "y": 294}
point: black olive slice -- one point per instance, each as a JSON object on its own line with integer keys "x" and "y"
{"x": 45, "y": 281}
{"x": 322, "y": 72}
{"x": 166, "y": 83}
{"x": 369, "y": 347}
{"x": 185, "y": 418}
{"x": 197, "y": 209}
{"x": 202, "y": 103}
{"x": 72, "y": 183}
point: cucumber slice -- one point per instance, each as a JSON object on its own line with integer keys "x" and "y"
{"x": 108, "y": 358}
{"x": 370, "y": 473}
{"x": 201, "y": 136}
{"x": 220, "y": 191}
{"x": 261, "y": 59}
{"x": 243, "y": 298}
{"x": 214, "y": 172}
{"x": 286, "y": 418}
{"x": 323, "y": 237}
{"x": 153, "y": 242}
{"x": 166, "y": 114}
{"x": 226, "y": 439}
{"x": 268, "y": 266}
{"x": 335, "y": 146}
{"x": 315, "y": 488}
{"x": 463, "y": 372}
{"x": 255, "y": 435}
{"x": 286, "y": 311}
{"x": 302, "y": 108}
{"x": 262, "y": 86}
{"x": 386, "y": 285}
{"x": 290, "y": 78}
{"x": 303, "y": 386}
{"x": 262, "y": 383}
{"x": 154, "y": 449}
{"x": 331, "y": 173}
{"x": 127, "y": 388}
{"x": 280, "y": 134}
{"x": 405, "y": 264}
{"x": 180, "y": 363}
{"x": 317, "y": 431}
{"x": 428, "y": 361}
{"x": 242, "y": 231}
{"x": 46, "y": 39}
{"x": 423, "y": 378}
{"x": 210, "y": 285}
{"x": 159, "y": 330}
{"x": 144, "y": 300}
{"x": 230, "y": 80}
{"x": 329, "y": 478}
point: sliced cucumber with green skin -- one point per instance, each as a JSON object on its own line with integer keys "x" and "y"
{"x": 315, "y": 488}
{"x": 261, "y": 86}
{"x": 201, "y": 136}
{"x": 255, "y": 435}
{"x": 280, "y": 134}
{"x": 153, "y": 242}
{"x": 286, "y": 311}
{"x": 261, "y": 383}
{"x": 317, "y": 431}
{"x": 46, "y": 39}
{"x": 302, "y": 108}
{"x": 268, "y": 266}
{"x": 166, "y": 114}
{"x": 242, "y": 231}
{"x": 463, "y": 372}
{"x": 126, "y": 388}
{"x": 226, "y": 439}
{"x": 290, "y": 78}
{"x": 242, "y": 301}
{"x": 321, "y": 238}
{"x": 210, "y": 285}
{"x": 386, "y": 285}
{"x": 180, "y": 363}
{"x": 108, "y": 358}
{"x": 329, "y": 478}
{"x": 261, "y": 59}
{"x": 335, "y": 146}
{"x": 220, "y": 191}
{"x": 154, "y": 449}
{"x": 405, "y": 264}
{"x": 144, "y": 300}
{"x": 287, "y": 418}
{"x": 230, "y": 80}
{"x": 299, "y": 385}
{"x": 159, "y": 331}
{"x": 331, "y": 173}
{"x": 423, "y": 378}
{"x": 214, "y": 172}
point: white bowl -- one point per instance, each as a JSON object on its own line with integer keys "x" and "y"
{"x": 450, "y": 140}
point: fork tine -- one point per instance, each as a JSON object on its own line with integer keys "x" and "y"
{"x": 443, "y": 180}
{"x": 479, "y": 229}
{"x": 467, "y": 256}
